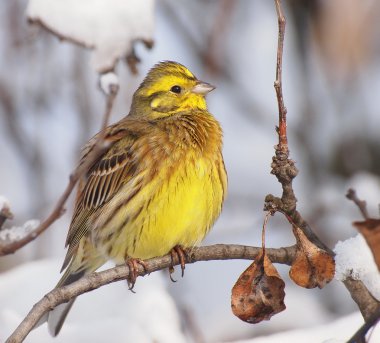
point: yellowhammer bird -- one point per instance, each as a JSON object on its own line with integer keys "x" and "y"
{"x": 159, "y": 185}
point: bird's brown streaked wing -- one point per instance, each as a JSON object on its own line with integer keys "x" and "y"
{"x": 103, "y": 180}
{"x": 113, "y": 134}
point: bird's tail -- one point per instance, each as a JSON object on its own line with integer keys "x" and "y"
{"x": 56, "y": 317}
{"x": 79, "y": 266}
{"x": 74, "y": 271}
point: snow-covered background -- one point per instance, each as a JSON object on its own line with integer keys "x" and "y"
{"x": 50, "y": 105}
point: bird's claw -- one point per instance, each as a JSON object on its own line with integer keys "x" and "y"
{"x": 133, "y": 265}
{"x": 177, "y": 253}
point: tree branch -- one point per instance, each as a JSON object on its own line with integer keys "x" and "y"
{"x": 5, "y": 213}
{"x": 95, "y": 280}
{"x": 285, "y": 171}
{"x": 7, "y": 247}
{"x": 369, "y": 306}
{"x": 363, "y": 298}
{"x": 283, "y": 140}
{"x": 359, "y": 336}
{"x": 282, "y": 166}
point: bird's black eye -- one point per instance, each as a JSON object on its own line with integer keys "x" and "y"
{"x": 176, "y": 89}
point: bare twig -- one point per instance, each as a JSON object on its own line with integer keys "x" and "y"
{"x": 11, "y": 122}
{"x": 283, "y": 140}
{"x": 133, "y": 60}
{"x": 5, "y": 213}
{"x": 191, "y": 325}
{"x": 359, "y": 336}
{"x": 83, "y": 100}
{"x": 95, "y": 280}
{"x": 264, "y": 229}
{"x": 360, "y": 294}
{"x": 285, "y": 171}
{"x": 213, "y": 52}
{"x": 368, "y": 305}
{"x": 361, "y": 204}
{"x": 11, "y": 247}
{"x": 282, "y": 166}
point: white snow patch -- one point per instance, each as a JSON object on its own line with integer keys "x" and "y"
{"x": 4, "y": 202}
{"x": 108, "y": 82}
{"x": 15, "y": 233}
{"x": 110, "y": 27}
{"x": 338, "y": 331}
{"x": 354, "y": 258}
{"x": 108, "y": 314}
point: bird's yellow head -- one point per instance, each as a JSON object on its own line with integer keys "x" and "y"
{"x": 169, "y": 88}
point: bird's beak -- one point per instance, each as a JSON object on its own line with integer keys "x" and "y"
{"x": 202, "y": 88}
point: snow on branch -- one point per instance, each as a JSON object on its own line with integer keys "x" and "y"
{"x": 109, "y": 82}
{"x": 4, "y": 202}
{"x": 110, "y": 28}
{"x": 15, "y": 233}
{"x": 354, "y": 259}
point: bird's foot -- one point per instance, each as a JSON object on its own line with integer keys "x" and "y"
{"x": 178, "y": 252}
{"x": 133, "y": 265}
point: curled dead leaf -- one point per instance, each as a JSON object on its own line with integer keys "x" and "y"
{"x": 370, "y": 229}
{"x": 313, "y": 266}
{"x": 259, "y": 293}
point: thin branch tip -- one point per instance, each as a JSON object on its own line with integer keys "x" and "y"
{"x": 361, "y": 204}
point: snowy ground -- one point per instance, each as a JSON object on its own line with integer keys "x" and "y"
{"x": 151, "y": 314}
{"x": 333, "y": 332}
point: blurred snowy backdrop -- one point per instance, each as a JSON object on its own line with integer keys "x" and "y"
{"x": 50, "y": 105}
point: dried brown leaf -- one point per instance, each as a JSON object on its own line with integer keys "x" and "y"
{"x": 370, "y": 229}
{"x": 313, "y": 266}
{"x": 259, "y": 293}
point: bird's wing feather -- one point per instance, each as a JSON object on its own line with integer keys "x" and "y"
{"x": 105, "y": 177}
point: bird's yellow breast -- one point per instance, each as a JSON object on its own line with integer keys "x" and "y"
{"x": 172, "y": 202}
{"x": 170, "y": 211}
